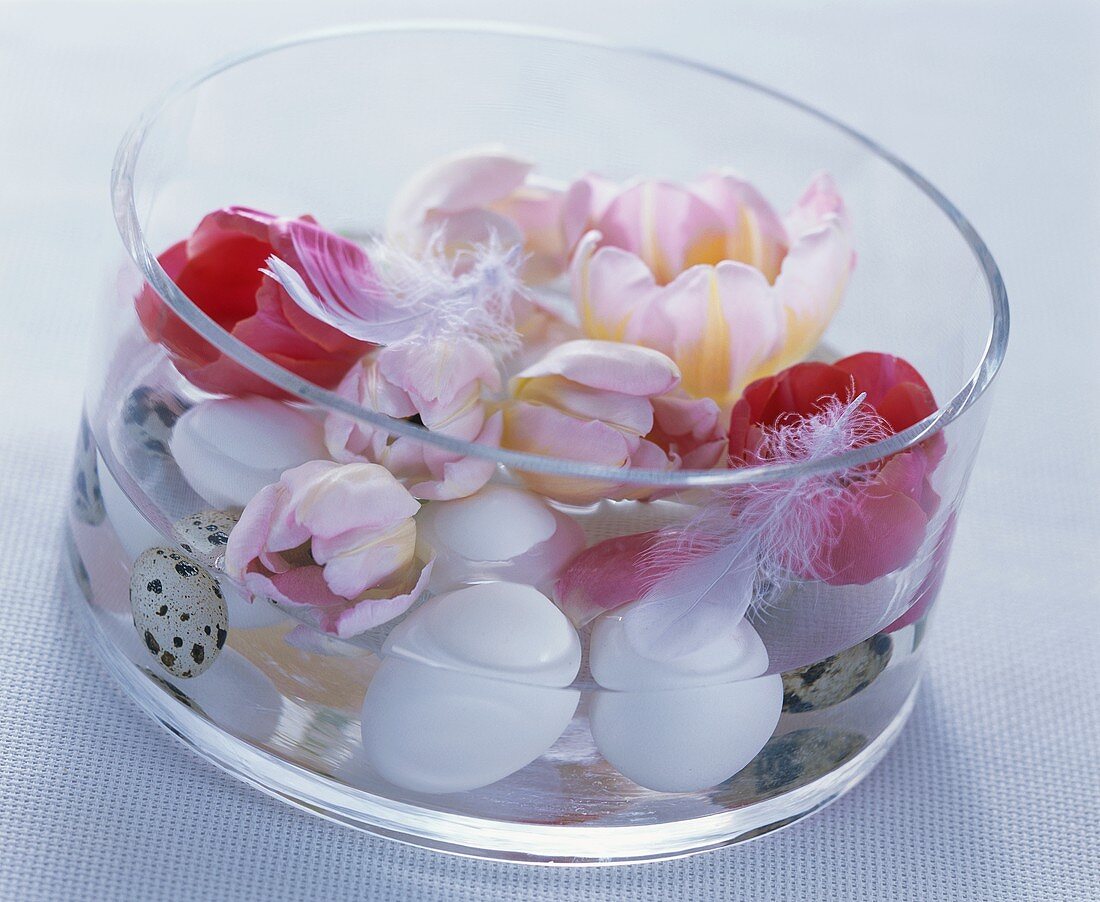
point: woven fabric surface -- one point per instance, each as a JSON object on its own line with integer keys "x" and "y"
{"x": 993, "y": 790}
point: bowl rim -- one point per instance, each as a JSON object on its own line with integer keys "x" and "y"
{"x": 130, "y": 230}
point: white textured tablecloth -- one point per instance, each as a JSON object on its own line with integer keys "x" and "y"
{"x": 993, "y": 791}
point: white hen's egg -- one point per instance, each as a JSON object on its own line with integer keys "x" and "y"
{"x": 501, "y": 532}
{"x": 435, "y": 731}
{"x": 230, "y": 448}
{"x": 734, "y": 654}
{"x": 504, "y": 630}
{"x": 686, "y": 740}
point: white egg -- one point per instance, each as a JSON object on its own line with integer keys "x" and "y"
{"x": 135, "y": 532}
{"x": 434, "y": 731}
{"x": 504, "y": 630}
{"x": 501, "y": 532}
{"x": 736, "y": 654}
{"x": 686, "y": 740}
{"x": 230, "y": 448}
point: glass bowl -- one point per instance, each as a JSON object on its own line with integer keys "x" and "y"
{"x": 481, "y": 720}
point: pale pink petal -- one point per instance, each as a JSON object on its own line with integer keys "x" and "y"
{"x": 369, "y": 613}
{"x": 537, "y": 213}
{"x": 611, "y": 288}
{"x": 689, "y": 430}
{"x": 627, "y": 412}
{"x": 349, "y": 496}
{"x": 363, "y": 558}
{"x": 754, "y": 233}
{"x": 664, "y": 224}
{"x": 466, "y": 229}
{"x": 586, "y": 200}
{"x": 810, "y": 287}
{"x": 604, "y": 577}
{"x": 456, "y": 476}
{"x": 608, "y": 365}
{"x": 648, "y": 456}
{"x": 820, "y": 202}
{"x": 246, "y": 539}
{"x": 722, "y": 323}
{"x": 549, "y": 432}
{"x": 442, "y": 371}
{"x": 465, "y": 180}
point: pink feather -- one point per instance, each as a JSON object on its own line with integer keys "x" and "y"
{"x": 749, "y": 536}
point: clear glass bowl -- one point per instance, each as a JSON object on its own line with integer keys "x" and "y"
{"x": 503, "y": 762}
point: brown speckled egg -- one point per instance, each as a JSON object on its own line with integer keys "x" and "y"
{"x": 204, "y": 535}
{"x": 838, "y": 677}
{"x": 179, "y": 611}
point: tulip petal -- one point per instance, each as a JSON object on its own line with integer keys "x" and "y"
{"x": 465, "y": 180}
{"x": 538, "y": 429}
{"x": 611, "y": 288}
{"x": 357, "y": 618}
{"x": 330, "y": 499}
{"x": 362, "y": 558}
{"x": 608, "y": 365}
{"x": 604, "y": 577}
{"x": 723, "y": 322}
{"x": 754, "y": 232}
{"x": 664, "y": 224}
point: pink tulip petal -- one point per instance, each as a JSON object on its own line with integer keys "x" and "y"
{"x": 608, "y": 365}
{"x": 552, "y": 433}
{"x": 342, "y": 497}
{"x": 664, "y": 224}
{"x": 879, "y": 535}
{"x": 357, "y": 618}
{"x": 723, "y": 322}
{"x": 455, "y": 476}
{"x": 627, "y": 412}
{"x": 820, "y": 202}
{"x": 537, "y": 213}
{"x": 362, "y": 558}
{"x": 754, "y": 232}
{"x": 585, "y": 202}
{"x": 690, "y": 431}
{"x": 465, "y": 180}
{"x": 612, "y": 288}
{"x": 246, "y": 539}
{"x": 605, "y": 577}
{"x": 810, "y": 286}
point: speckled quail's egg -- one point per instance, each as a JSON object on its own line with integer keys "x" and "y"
{"x": 500, "y": 532}
{"x": 790, "y": 761}
{"x": 87, "y": 496}
{"x": 178, "y": 611}
{"x": 230, "y": 448}
{"x": 204, "y": 535}
{"x": 148, "y": 417}
{"x": 504, "y": 630}
{"x": 685, "y": 740}
{"x": 728, "y": 655}
{"x": 433, "y": 730}
{"x": 836, "y": 678}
